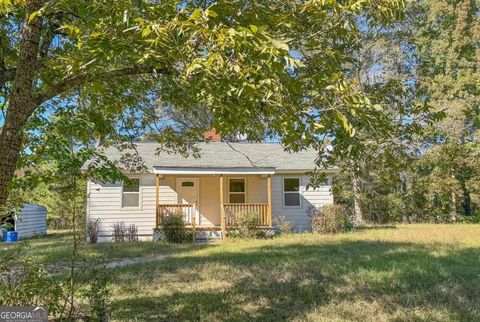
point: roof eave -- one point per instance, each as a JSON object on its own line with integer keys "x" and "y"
{"x": 283, "y": 171}
{"x": 211, "y": 170}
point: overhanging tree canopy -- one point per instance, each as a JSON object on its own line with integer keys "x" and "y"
{"x": 273, "y": 66}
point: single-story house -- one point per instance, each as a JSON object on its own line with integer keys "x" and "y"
{"x": 208, "y": 191}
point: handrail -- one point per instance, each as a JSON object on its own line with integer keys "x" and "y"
{"x": 186, "y": 211}
{"x": 233, "y": 209}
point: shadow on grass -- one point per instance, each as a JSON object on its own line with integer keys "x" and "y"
{"x": 375, "y": 227}
{"x": 402, "y": 281}
{"x": 56, "y": 248}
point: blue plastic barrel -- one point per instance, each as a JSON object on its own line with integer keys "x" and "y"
{"x": 12, "y": 236}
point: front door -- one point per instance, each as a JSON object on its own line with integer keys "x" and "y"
{"x": 187, "y": 191}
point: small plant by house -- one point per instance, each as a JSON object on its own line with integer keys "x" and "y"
{"x": 119, "y": 232}
{"x": 122, "y": 233}
{"x": 246, "y": 223}
{"x": 329, "y": 219}
{"x": 284, "y": 225}
{"x": 174, "y": 229}
{"x": 93, "y": 229}
{"x": 131, "y": 233}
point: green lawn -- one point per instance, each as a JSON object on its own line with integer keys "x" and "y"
{"x": 56, "y": 248}
{"x": 406, "y": 272}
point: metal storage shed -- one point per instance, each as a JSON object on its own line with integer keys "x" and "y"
{"x": 31, "y": 221}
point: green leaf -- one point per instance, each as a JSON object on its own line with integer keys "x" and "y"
{"x": 280, "y": 44}
{"x": 196, "y": 15}
{"x": 345, "y": 123}
{"x": 210, "y": 13}
{"x": 146, "y": 31}
{"x": 70, "y": 29}
{"x": 33, "y": 15}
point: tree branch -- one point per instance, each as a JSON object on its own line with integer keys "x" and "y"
{"x": 6, "y": 75}
{"x": 69, "y": 83}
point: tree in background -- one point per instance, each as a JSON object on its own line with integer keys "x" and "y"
{"x": 427, "y": 169}
{"x": 373, "y": 173}
{"x": 447, "y": 42}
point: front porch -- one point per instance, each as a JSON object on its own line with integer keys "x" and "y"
{"x": 212, "y": 201}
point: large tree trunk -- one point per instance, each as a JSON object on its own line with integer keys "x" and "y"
{"x": 357, "y": 206}
{"x": 21, "y": 104}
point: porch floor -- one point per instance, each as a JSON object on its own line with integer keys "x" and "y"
{"x": 218, "y": 228}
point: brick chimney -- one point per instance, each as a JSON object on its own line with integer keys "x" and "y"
{"x": 212, "y": 135}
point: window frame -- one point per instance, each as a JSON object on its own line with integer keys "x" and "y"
{"x": 139, "y": 207}
{"x": 188, "y": 186}
{"x": 299, "y": 192}
{"x": 237, "y": 193}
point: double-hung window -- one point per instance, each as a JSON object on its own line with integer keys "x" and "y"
{"x": 291, "y": 192}
{"x": 236, "y": 190}
{"x": 131, "y": 193}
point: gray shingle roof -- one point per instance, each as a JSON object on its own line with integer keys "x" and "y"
{"x": 224, "y": 155}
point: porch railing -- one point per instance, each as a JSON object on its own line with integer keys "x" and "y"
{"x": 233, "y": 209}
{"x": 186, "y": 211}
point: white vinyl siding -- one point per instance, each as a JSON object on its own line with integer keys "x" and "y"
{"x": 311, "y": 197}
{"x": 105, "y": 201}
{"x": 32, "y": 221}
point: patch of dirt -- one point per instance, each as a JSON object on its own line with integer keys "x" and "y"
{"x": 63, "y": 267}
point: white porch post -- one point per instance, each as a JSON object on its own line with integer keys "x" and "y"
{"x": 222, "y": 209}
{"x": 157, "y": 199}
{"x": 269, "y": 200}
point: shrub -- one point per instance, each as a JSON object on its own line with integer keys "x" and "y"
{"x": 28, "y": 283}
{"x": 329, "y": 219}
{"x": 285, "y": 226}
{"x": 122, "y": 233}
{"x": 174, "y": 229}
{"x": 247, "y": 223}
{"x": 93, "y": 228}
{"x": 233, "y": 233}
{"x": 119, "y": 232}
{"x": 98, "y": 294}
{"x": 264, "y": 233}
{"x": 131, "y": 233}
{"x": 470, "y": 219}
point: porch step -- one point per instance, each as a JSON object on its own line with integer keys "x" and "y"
{"x": 208, "y": 235}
